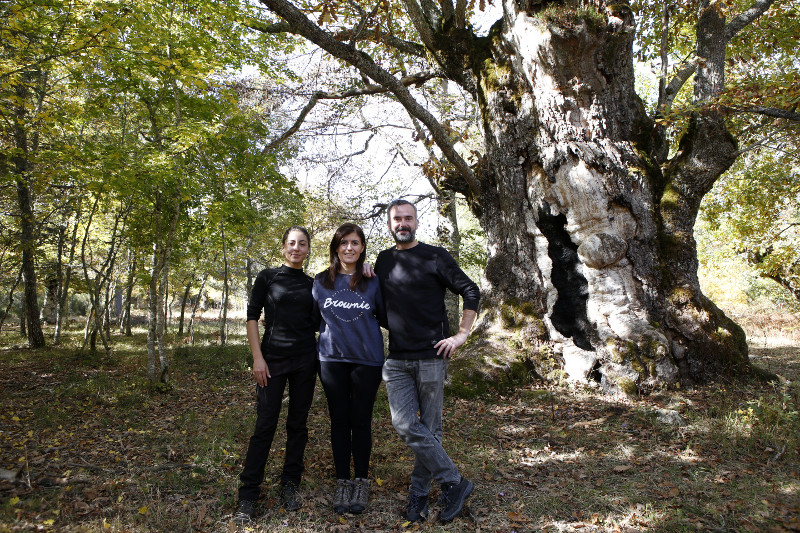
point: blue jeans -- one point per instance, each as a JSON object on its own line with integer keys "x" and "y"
{"x": 416, "y": 395}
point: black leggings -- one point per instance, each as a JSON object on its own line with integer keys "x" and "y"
{"x": 350, "y": 389}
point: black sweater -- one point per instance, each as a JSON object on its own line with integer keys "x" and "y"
{"x": 413, "y": 282}
{"x": 285, "y": 296}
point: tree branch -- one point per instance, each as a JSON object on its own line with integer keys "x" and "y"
{"x": 743, "y": 19}
{"x": 768, "y": 111}
{"x": 420, "y": 22}
{"x": 275, "y": 27}
{"x": 301, "y": 25}
{"x": 414, "y": 79}
{"x": 675, "y": 85}
{"x": 731, "y": 29}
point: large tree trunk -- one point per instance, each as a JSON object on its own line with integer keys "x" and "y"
{"x": 592, "y": 266}
{"x": 591, "y": 250}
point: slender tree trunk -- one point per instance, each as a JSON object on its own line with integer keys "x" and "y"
{"x": 47, "y": 313}
{"x": 157, "y": 361}
{"x": 10, "y": 300}
{"x": 250, "y": 276}
{"x": 27, "y": 221}
{"x": 183, "y": 307}
{"x": 195, "y": 306}
{"x": 23, "y": 321}
{"x": 28, "y": 245}
{"x": 88, "y": 326}
{"x": 152, "y": 310}
{"x": 62, "y": 236}
{"x": 125, "y": 317}
{"x": 62, "y": 311}
{"x": 223, "y": 326}
{"x": 163, "y": 362}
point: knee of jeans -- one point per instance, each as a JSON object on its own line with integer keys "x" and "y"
{"x": 402, "y": 425}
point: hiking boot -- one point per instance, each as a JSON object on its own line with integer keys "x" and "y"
{"x": 417, "y": 509}
{"x": 455, "y": 494}
{"x": 289, "y": 498}
{"x": 341, "y": 499}
{"x": 360, "y": 497}
{"x": 245, "y": 512}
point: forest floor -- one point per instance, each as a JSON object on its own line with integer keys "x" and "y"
{"x": 87, "y": 445}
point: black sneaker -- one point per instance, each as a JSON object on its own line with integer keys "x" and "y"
{"x": 455, "y": 494}
{"x": 289, "y": 498}
{"x": 245, "y": 512}
{"x": 417, "y": 509}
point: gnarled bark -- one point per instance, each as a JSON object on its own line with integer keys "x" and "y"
{"x": 592, "y": 265}
{"x": 607, "y": 257}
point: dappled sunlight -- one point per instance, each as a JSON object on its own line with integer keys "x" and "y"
{"x": 543, "y": 458}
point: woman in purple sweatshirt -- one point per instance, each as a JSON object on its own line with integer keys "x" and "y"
{"x": 350, "y": 348}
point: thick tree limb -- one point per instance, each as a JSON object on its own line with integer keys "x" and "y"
{"x": 461, "y": 13}
{"x": 277, "y": 27}
{"x": 743, "y": 19}
{"x": 421, "y": 23}
{"x": 731, "y": 29}
{"x": 414, "y": 79}
{"x": 407, "y": 47}
{"x": 769, "y": 111}
{"x": 675, "y": 85}
{"x": 301, "y": 25}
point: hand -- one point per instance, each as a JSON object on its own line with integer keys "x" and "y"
{"x": 447, "y": 347}
{"x": 260, "y": 370}
{"x": 368, "y": 271}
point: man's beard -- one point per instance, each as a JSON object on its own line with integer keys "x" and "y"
{"x": 402, "y": 239}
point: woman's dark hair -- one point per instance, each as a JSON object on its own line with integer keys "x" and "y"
{"x": 296, "y": 228}
{"x": 358, "y": 276}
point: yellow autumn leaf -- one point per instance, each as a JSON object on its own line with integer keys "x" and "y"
{"x": 379, "y": 481}
{"x": 14, "y": 500}
{"x": 143, "y": 509}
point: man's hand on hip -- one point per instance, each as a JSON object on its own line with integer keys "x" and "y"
{"x": 447, "y": 347}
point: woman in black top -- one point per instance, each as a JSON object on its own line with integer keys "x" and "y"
{"x": 285, "y": 354}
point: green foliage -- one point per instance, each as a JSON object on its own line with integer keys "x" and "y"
{"x": 753, "y": 213}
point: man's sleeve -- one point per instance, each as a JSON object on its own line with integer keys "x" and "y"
{"x": 458, "y": 282}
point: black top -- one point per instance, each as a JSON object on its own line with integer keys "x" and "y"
{"x": 413, "y": 282}
{"x": 285, "y": 296}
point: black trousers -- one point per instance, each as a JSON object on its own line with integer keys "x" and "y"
{"x": 301, "y": 376}
{"x": 350, "y": 390}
